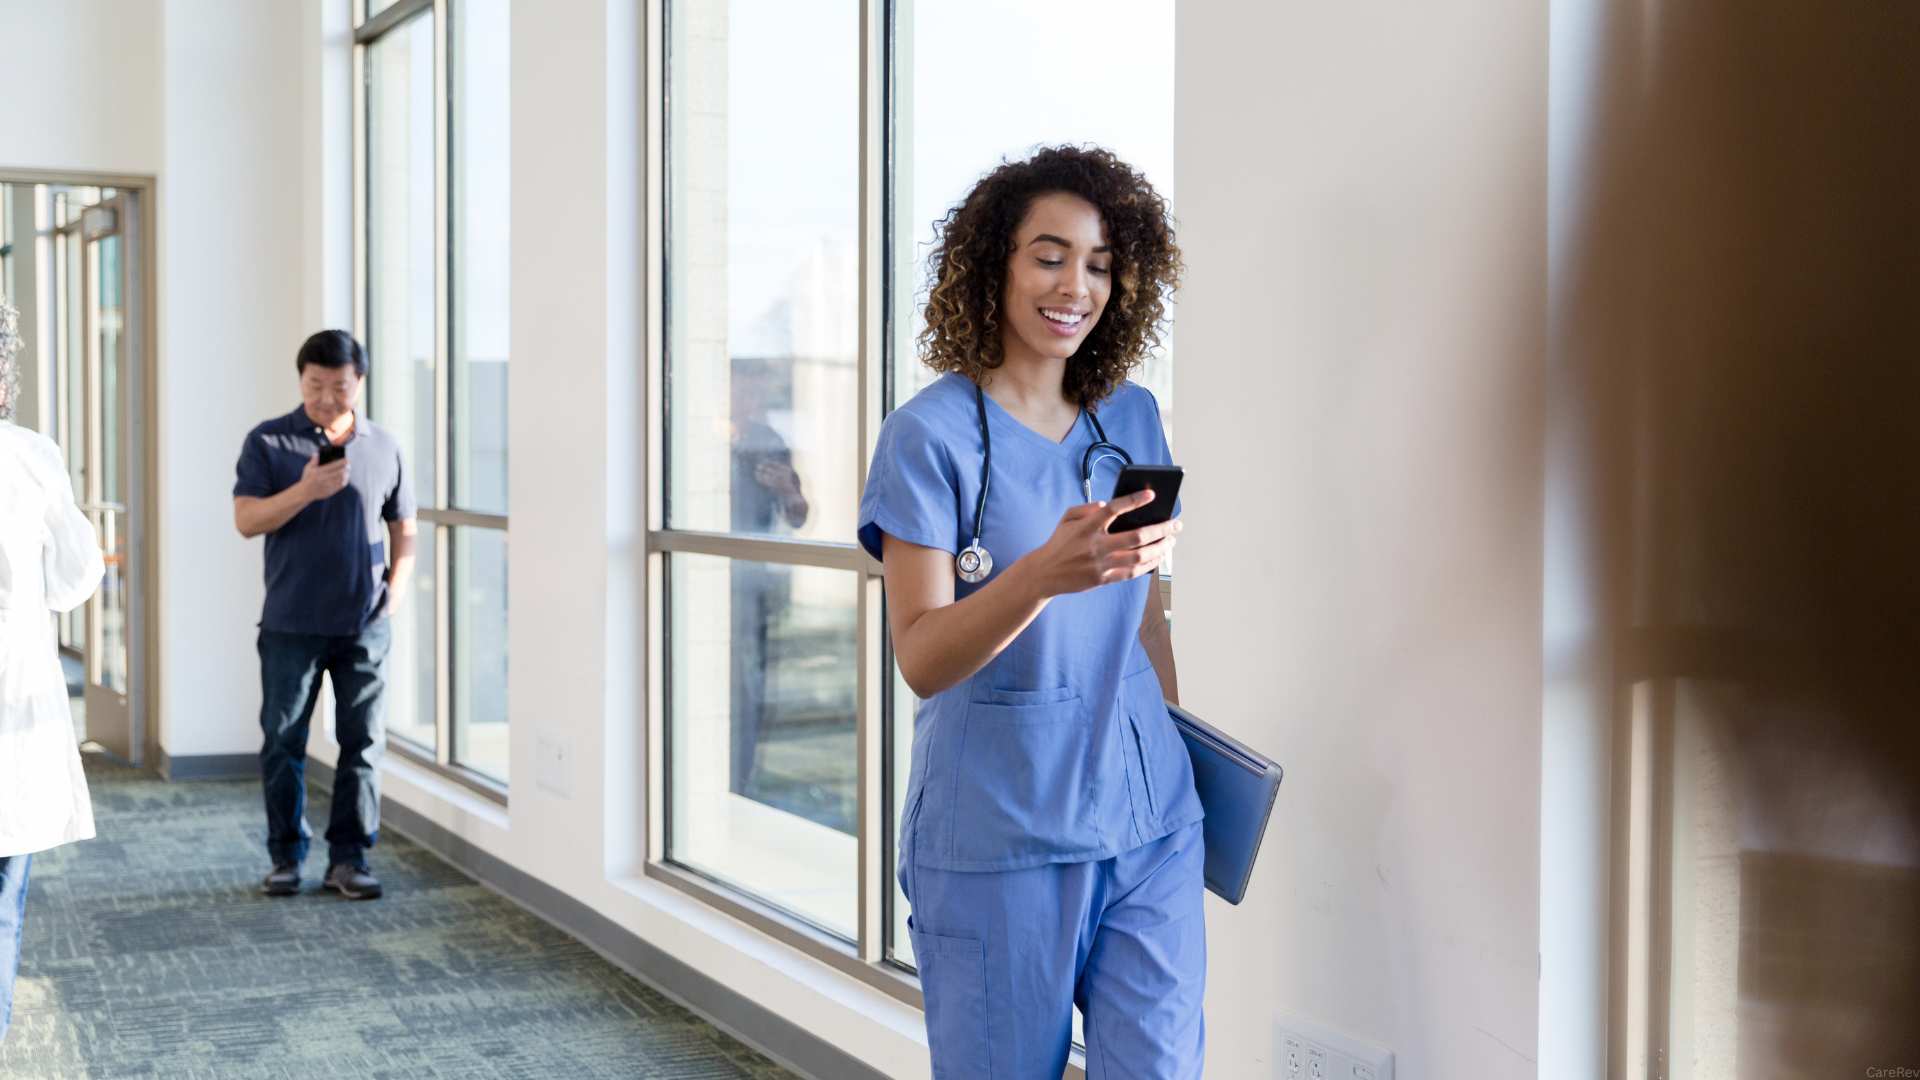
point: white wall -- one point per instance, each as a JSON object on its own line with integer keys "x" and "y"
{"x": 1362, "y": 336}
{"x": 80, "y": 85}
{"x": 231, "y": 267}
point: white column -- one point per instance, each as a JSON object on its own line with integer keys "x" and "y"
{"x": 1362, "y": 338}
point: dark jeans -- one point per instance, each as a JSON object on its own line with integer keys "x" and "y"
{"x": 290, "y": 667}
{"x": 13, "y": 919}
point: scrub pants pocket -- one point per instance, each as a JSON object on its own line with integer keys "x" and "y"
{"x": 1025, "y": 773}
{"x": 953, "y": 974}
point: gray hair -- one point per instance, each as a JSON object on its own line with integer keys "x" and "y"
{"x": 9, "y": 349}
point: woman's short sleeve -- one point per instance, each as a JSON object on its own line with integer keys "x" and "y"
{"x": 912, "y": 493}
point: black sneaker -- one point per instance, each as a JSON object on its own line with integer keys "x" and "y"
{"x": 284, "y": 880}
{"x": 353, "y": 882}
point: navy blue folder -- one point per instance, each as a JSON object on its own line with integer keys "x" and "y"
{"x": 1237, "y": 787}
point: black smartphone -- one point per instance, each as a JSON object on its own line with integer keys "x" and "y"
{"x": 331, "y": 453}
{"x": 1164, "y": 480}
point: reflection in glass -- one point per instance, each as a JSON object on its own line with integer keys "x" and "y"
{"x": 400, "y": 304}
{"x": 480, "y": 142}
{"x": 411, "y": 665}
{"x": 763, "y": 768}
{"x": 763, "y": 315}
{"x": 480, "y": 641}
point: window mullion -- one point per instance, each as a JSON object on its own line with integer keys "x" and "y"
{"x": 443, "y": 373}
{"x": 655, "y": 714}
{"x": 870, "y": 717}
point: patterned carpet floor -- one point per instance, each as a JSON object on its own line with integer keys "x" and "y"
{"x": 150, "y": 952}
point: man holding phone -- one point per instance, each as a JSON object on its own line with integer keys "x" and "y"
{"x": 329, "y": 490}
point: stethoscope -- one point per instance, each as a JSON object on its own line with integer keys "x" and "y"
{"x": 974, "y": 562}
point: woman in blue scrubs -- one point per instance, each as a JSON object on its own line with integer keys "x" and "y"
{"x": 1051, "y": 846}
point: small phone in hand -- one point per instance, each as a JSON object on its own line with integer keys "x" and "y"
{"x": 331, "y": 453}
{"x": 1163, "y": 480}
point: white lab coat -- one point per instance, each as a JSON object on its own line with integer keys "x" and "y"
{"x": 49, "y": 561}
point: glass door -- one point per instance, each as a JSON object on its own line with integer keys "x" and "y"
{"x": 108, "y": 657}
{"x": 93, "y": 368}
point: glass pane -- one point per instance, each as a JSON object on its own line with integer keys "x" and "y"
{"x": 960, "y": 126}
{"x": 480, "y": 651}
{"x": 69, "y": 300}
{"x": 400, "y": 304}
{"x": 763, "y": 280}
{"x": 113, "y": 603}
{"x": 480, "y": 270}
{"x": 375, "y": 7}
{"x": 761, "y": 757}
{"x": 73, "y": 361}
{"x": 412, "y": 663}
{"x": 108, "y": 324}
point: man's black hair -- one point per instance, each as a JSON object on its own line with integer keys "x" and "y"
{"x": 332, "y": 349}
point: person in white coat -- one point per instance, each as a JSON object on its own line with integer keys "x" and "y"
{"x": 49, "y": 561}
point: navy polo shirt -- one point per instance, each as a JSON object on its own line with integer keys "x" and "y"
{"x": 326, "y": 568}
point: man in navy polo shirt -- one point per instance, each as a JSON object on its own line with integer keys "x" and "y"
{"x": 339, "y": 552}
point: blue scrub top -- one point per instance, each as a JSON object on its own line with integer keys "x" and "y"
{"x": 1060, "y": 749}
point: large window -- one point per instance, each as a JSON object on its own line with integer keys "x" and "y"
{"x": 808, "y": 151}
{"x": 432, "y": 192}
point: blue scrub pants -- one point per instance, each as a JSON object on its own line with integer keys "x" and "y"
{"x": 13, "y": 920}
{"x": 1004, "y": 957}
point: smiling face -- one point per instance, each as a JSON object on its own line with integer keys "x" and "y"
{"x": 1058, "y": 278}
{"x": 329, "y": 392}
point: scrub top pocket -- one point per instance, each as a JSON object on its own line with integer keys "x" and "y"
{"x": 1166, "y": 771}
{"x": 1025, "y": 771}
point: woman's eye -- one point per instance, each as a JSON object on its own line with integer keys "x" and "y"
{"x": 1052, "y": 262}
{"x": 1098, "y": 269}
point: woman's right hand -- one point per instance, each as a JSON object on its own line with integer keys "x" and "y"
{"x": 1081, "y": 554}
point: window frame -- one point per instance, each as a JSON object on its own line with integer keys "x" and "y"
{"x": 884, "y": 277}
{"x": 864, "y": 958}
{"x": 437, "y": 511}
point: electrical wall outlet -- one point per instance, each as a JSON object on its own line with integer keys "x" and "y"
{"x": 553, "y": 766}
{"x": 1308, "y": 1051}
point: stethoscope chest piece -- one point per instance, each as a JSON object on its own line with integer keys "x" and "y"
{"x": 973, "y": 564}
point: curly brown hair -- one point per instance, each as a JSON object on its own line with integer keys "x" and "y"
{"x": 967, "y": 269}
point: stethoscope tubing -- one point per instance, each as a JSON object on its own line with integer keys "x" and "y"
{"x": 974, "y": 562}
